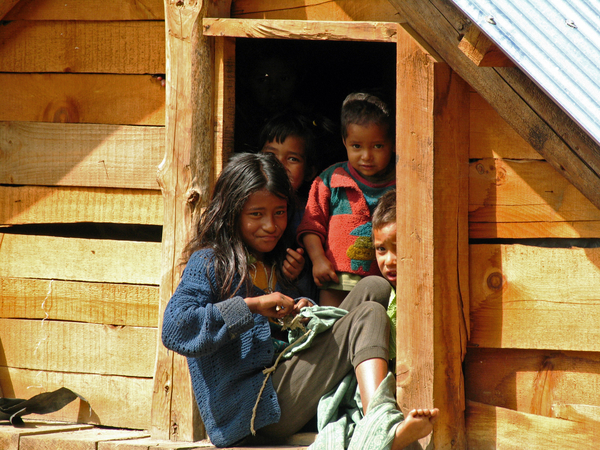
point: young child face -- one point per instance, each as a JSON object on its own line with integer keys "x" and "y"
{"x": 291, "y": 154}
{"x": 262, "y": 222}
{"x": 384, "y": 241}
{"x": 369, "y": 148}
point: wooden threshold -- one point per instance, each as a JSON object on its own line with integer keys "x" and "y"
{"x": 42, "y": 435}
{"x": 301, "y": 29}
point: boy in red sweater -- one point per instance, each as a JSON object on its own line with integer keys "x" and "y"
{"x": 336, "y": 227}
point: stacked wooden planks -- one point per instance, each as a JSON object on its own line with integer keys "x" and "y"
{"x": 81, "y": 137}
{"x": 534, "y": 352}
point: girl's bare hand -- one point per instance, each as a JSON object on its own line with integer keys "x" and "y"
{"x": 294, "y": 263}
{"x": 303, "y": 302}
{"x": 274, "y": 305}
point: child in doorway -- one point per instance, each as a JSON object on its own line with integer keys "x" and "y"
{"x": 293, "y": 139}
{"x": 336, "y": 226}
{"x": 233, "y": 284}
{"x": 384, "y": 241}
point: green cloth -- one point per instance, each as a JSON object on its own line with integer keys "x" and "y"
{"x": 342, "y": 425}
{"x": 321, "y": 318}
{"x": 340, "y": 420}
{"x": 391, "y": 312}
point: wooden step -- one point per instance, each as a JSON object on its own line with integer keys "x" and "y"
{"x": 41, "y": 435}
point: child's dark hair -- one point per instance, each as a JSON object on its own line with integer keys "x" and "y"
{"x": 362, "y": 108}
{"x": 315, "y": 130}
{"x": 290, "y": 123}
{"x": 218, "y": 229}
{"x": 385, "y": 211}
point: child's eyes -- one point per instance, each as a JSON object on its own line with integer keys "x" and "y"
{"x": 281, "y": 212}
{"x": 378, "y": 146}
{"x": 355, "y": 145}
{"x": 380, "y": 249}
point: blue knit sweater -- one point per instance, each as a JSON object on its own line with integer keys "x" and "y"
{"x": 226, "y": 346}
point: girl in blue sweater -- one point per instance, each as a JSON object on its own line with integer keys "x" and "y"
{"x": 238, "y": 283}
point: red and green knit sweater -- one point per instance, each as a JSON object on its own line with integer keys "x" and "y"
{"x": 339, "y": 210}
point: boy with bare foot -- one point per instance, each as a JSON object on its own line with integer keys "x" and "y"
{"x": 419, "y": 422}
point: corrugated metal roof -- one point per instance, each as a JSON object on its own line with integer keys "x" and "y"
{"x": 555, "y": 42}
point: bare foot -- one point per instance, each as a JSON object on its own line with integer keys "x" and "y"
{"x": 417, "y": 424}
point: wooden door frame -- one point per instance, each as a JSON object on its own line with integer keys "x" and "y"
{"x": 432, "y": 173}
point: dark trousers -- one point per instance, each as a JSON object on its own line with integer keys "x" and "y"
{"x": 361, "y": 334}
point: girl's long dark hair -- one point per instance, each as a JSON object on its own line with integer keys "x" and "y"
{"x": 218, "y": 228}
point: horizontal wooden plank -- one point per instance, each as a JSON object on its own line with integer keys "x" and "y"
{"x": 88, "y": 10}
{"x": 374, "y": 10}
{"x": 112, "y": 400}
{"x": 578, "y": 413}
{"x": 492, "y": 427}
{"x": 82, "y": 98}
{"x": 126, "y": 47}
{"x": 532, "y": 196}
{"x": 78, "y": 347}
{"x": 103, "y": 303}
{"x": 306, "y": 30}
{"x": 78, "y": 440}
{"x": 532, "y": 381}
{"x": 535, "y": 298}
{"x": 48, "y": 257}
{"x": 10, "y": 436}
{"x": 160, "y": 444}
{"x": 83, "y": 155}
{"x": 39, "y": 205}
{"x": 492, "y": 136}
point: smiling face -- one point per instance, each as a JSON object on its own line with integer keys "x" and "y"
{"x": 369, "y": 148}
{"x": 384, "y": 241}
{"x": 262, "y": 222}
{"x": 291, "y": 154}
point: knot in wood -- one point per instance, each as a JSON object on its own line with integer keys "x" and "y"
{"x": 495, "y": 281}
{"x": 193, "y": 197}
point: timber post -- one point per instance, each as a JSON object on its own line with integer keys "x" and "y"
{"x": 185, "y": 177}
{"x": 432, "y": 184}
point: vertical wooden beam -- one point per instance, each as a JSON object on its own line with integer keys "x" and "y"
{"x": 185, "y": 177}
{"x": 432, "y": 182}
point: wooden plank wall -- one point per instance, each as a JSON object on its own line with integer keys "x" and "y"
{"x": 81, "y": 138}
{"x": 534, "y": 349}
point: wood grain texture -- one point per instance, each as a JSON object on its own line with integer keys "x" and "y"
{"x": 493, "y": 137}
{"x": 10, "y": 437}
{"x": 6, "y": 6}
{"x": 340, "y": 10}
{"x": 40, "y": 204}
{"x": 125, "y": 47}
{"x": 524, "y": 199}
{"x": 82, "y": 98}
{"x": 78, "y": 347}
{"x": 133, "y": 395}
{"x": 303, "y": 30}
{"x": 492, "y": 427}
{"x": 77, "y": 154}
{"x": 103, "y": 303}
{"x": 77, "y": 440}
{"x": 75, "y": 259}
{"x": 88, "y": 10}
{"x": 532, "y": 381}
{"x": 535, "y": 298}
{"x": 185, "y": 177}
{"x": 432, "y": 233}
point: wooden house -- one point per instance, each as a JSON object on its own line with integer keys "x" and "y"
{"x": 498, "y": 195}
